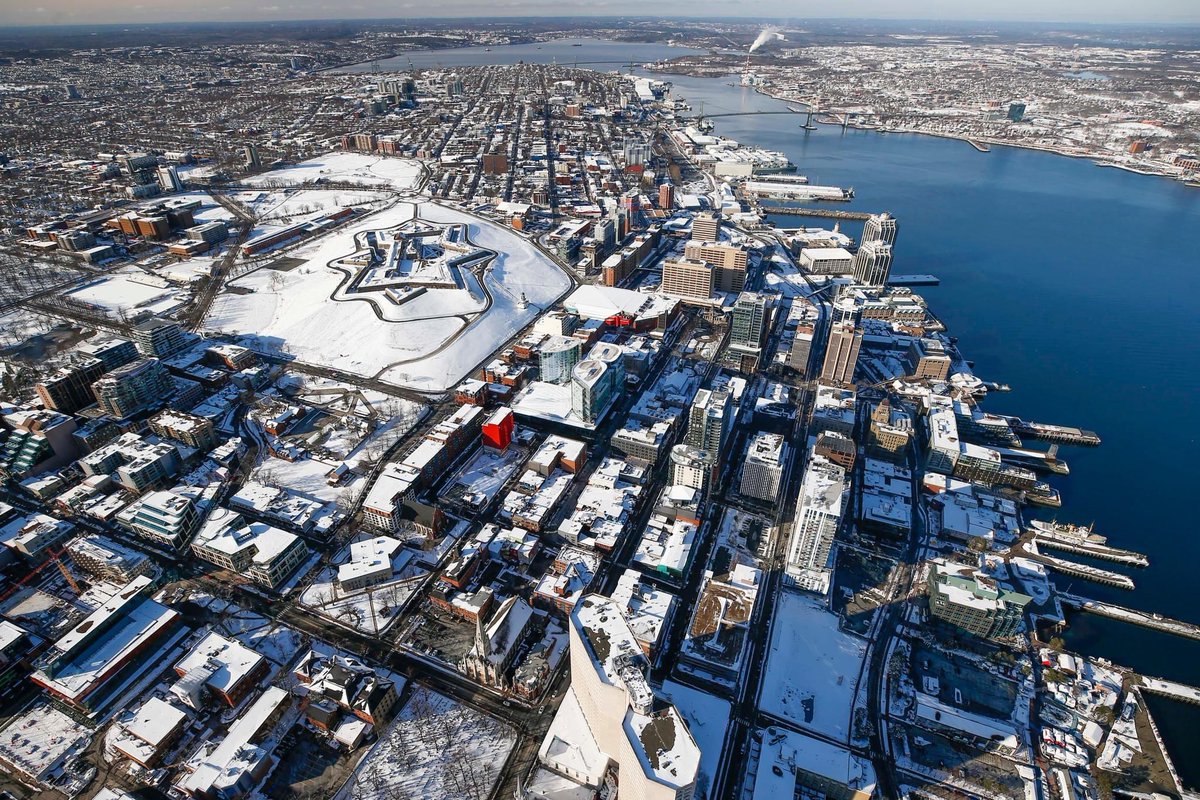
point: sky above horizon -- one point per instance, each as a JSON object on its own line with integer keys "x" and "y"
{"x": 68, "y": 12}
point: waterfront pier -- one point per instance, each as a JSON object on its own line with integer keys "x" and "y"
{"x": 1030, "y": 549}
{"x": 1061, "y": 434}
{"x": 828, "y": 213}
{"x": 1156, "y": 621}
{"x": 1172, "y": 689}
{"x": 1073, "y": 539}
{"x": 1034, "y": 459}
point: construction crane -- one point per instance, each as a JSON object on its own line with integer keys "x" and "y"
{"x": 66, "y": 572}
{"x": 53, "y": 557}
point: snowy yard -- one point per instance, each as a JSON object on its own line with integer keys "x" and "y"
{"x": 370, "y": 610}
{"x": 286, "y": 206}
{"x": 819, "y": 695}
{"x": 478, "y": 481}
{"x": 210, "y": 210}
{"x": 436, "y": 748}
{"x": 276, "y": 642}
{"x": 306, "y": 478}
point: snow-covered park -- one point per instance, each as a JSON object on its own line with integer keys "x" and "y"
{"x": 360, "y": 169}
{"x": 436, "y": 747}
{"x": 428, "y": 344}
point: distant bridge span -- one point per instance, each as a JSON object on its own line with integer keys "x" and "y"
{"x": 746, "y": 114}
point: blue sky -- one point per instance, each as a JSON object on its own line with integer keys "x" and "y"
{"x": 13, "y": 12}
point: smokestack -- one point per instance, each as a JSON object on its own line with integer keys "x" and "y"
{"x": 768, "y": 35}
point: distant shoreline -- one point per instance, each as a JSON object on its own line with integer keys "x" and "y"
{"x": 1100, "y": 159}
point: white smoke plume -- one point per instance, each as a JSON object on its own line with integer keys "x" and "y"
{"x": 767, "y": 35}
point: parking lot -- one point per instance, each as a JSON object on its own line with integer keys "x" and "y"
{"x": 963, "y": 684}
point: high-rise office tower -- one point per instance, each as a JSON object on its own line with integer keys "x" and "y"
{"x": 169, "y": 180}
{"x": 880, "y": 228}
{"x": 751, "y": 312}
{"x": 558, "y": 357}
{"x": 134, "y": 387}
{"x": 70, "y": 388}
{"x": 801, "y": 352}
{"x": 250, "y": 156}
{"x": 159, "y": 337}
{"x": 637, "y": 152}
{"x": 591, "y": 388}
{"x": 709, "y": 420}
{"x": 762, "y": 470}
{"x": 112, "y": 351}
{"x": 818, "y": 516}
{"x": 841, "y": 354}
{"x": 666, "y": 196}
{"x": 631, "y": 204}
{"x": 730, "y": 261}
{"x": 691, "y": 467}
{"x": 706, "y": 227}
{"x": 687, "y": 278}
{"x": 872, "y": 263}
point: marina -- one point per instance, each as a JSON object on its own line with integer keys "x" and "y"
{"x": 1076, "y": 367}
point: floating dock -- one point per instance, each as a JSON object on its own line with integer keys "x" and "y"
{"x": 913, "y": 280}
{"x": 1156, "y": 621}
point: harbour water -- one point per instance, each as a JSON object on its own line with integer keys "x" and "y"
{"x": 1075, "y": 285}
{"x": 589, "y": 53}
